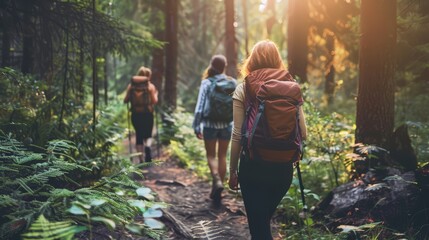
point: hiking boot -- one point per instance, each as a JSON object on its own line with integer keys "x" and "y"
{"x": 139, "y": 149}
{"x": 217, "y": 188}
{"x": 148, "y": 154}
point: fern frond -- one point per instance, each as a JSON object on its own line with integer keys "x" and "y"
{"x": 61, "y": 146}
{"x": 28, "y": 158}
{"x": 61, "y": 193}
{"x": 7, "y": 201}
{"x": 66, "y": 166}
{"x": 204, "y": 231}
{"x": 21, "y": 182}
{"x": 43, "y": 177}
{"x": 40, "y": 178}
{"x": 44, "y": 229}
{"x": 8, "y": 169}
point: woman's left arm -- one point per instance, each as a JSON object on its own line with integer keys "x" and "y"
{"x": 302, "y": 123}
{"x": 154, "y": 93}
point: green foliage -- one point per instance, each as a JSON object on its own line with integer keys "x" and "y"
{"x": 44, "y": 229}
{"x": 291, "y": 206}
{"x": 329, "y": 140}
{"x": 44, "y": 183}
{"x": 186, "y": 146}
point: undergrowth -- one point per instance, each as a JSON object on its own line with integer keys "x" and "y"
{"x": 38, "y": 185}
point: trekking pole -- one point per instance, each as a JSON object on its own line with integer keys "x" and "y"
{"x": 301, "y": 185}
{"x": 157, "y": 131}
{"x": 129, "y": 128}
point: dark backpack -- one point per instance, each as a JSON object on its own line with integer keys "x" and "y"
{"x": 140, "y": 95}
{"x": 218, "y": 105}
{"x": 271, "y": 128}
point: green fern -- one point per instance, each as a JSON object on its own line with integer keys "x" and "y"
{"x": 7, "y": 201}
{"x": 44, "y": 229}
{"x": 29, "y": 188}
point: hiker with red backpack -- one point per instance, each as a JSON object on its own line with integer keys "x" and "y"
{"x": 213, "y": 120}
{"x": 143, "y": 96}
{"x": 268, "y": 130}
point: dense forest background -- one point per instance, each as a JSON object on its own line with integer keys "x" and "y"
{"x": 362, "y": 64}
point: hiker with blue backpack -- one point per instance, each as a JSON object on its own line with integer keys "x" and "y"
{"x": 213, "y": 120}
{"x": 143, "y": 95}
{"x": 268, "y": 130}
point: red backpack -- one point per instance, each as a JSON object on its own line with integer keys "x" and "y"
{"x": 271, "y": 128}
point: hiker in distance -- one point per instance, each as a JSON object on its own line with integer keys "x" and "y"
{"x": 213, "y": 120}
{"x": 269, "y": 126}
{"x": 143, "y": 96}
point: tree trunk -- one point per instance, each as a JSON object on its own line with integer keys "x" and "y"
{"x": 94, "y": 75}
{"x": 171, "y": 50}
{"x": 375, "y": 101}
{"x": 330, "y": 68}
{"x": 5, "y": 51}
{"x": 246, "y": 27}
{"x": 158, "y": 66}
{"x": 65, "y": 83}
{"x": 230, "y": 43}
{"x": 106, "y": 79}
{"x": 298, "y": 25}
{"x": 271, "y": 12}
{"x": 27, "y": 41}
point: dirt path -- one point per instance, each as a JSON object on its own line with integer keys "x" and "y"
{"x": 191, "y": 208}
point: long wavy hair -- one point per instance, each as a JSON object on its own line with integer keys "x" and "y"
{"x": 265, "y": 54}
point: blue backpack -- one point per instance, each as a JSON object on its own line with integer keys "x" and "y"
{"x": 218, "y": 105}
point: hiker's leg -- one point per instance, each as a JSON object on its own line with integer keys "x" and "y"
{"x": 136, "y": 119}
{"x": 221, "y": 154}
{"x": 254, "y": 201}
{"x": 263, "y": 185}
{"x": 224, "y": 137}
{"x": 210, "y": 141}
{"x": 147, "y": 150}
{"x": 210, "y": 146}
{"x": 147, "y": 135}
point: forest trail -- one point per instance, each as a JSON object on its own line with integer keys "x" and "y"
{"x": 190, "y": 207}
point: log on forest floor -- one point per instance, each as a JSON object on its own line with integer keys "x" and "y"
{"x": 396, "y": 199}
{"x": 178, "y": 226}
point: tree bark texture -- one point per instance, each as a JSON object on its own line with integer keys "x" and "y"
{"x": 158, "y": 66}
{"x": 5, "y": 51}
{"x": 171, "y": 50}
{"x": 298, "y": 26}
{"x": 94, "y": 74}
{"x": 246, "y": 27}
{"x": 27, "y": 41}
{"x": 330, "y": 68}
{"x": 271, "y": 20}
{"x": 375, "y": 101}
{"x": 230, "y": 42}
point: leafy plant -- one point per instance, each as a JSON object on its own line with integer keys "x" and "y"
{"x": 42, "y": 183}
{"x": 186, "y": 146}
{"x": 44, "y": 229}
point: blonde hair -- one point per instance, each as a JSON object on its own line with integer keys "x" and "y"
{"x": 265, "y": 54}
{"x": 144, "y": 71}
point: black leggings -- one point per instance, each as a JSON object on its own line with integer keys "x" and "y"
{"x": 263, "y": 185}
{"x": 143, "y": 124}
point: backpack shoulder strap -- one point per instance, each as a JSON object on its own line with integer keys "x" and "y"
{"x": 261, "y": 109}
